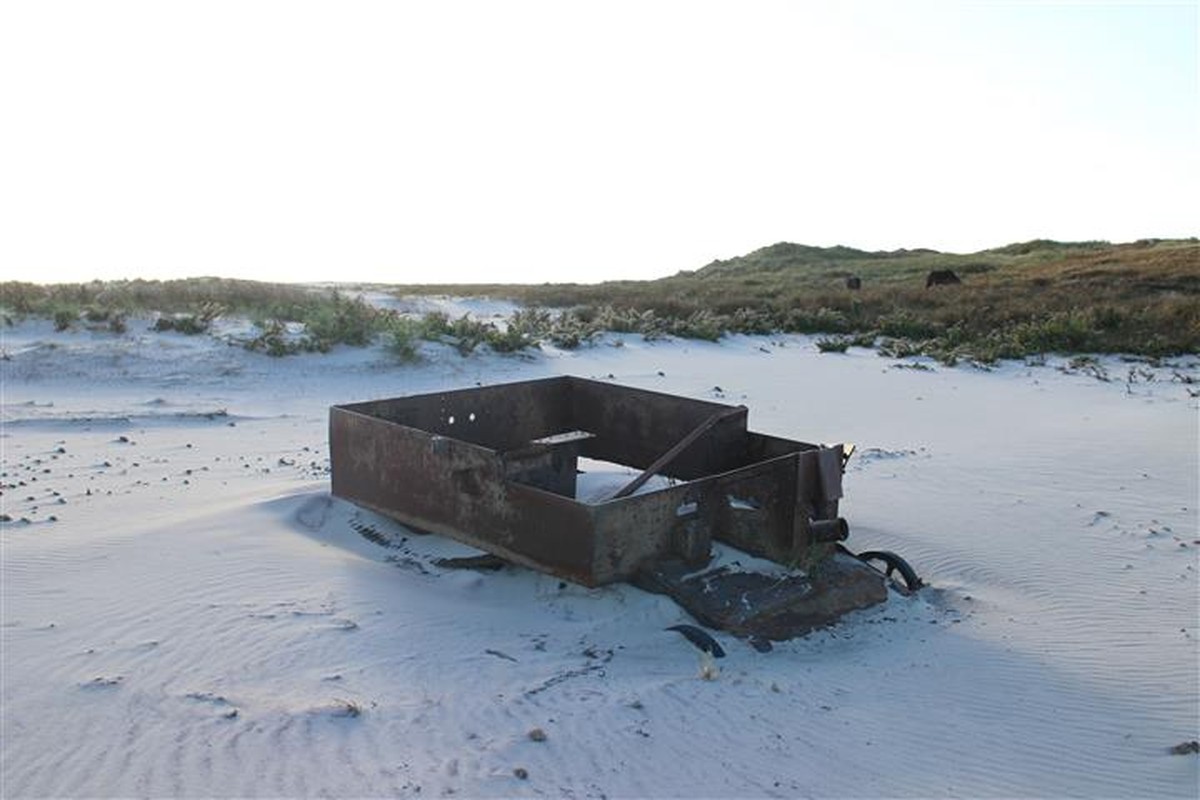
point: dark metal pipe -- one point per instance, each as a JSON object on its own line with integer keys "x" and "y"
{"x": 829, "y": 530}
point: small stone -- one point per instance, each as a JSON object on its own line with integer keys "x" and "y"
{"x": 1186, "y": 748}
{"x": 537, "y": 735}
{"x": 521, "y": 773}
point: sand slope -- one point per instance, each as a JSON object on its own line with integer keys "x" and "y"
{"x": 200, "y": 618}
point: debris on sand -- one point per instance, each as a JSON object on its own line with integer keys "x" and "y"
{"x": 486, "y": 562}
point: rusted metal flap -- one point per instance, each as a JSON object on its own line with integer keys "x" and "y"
{"x": 776, "y": 607}
{"x": 829, "y": 460}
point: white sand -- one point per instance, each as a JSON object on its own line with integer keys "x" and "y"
{"x": 203, "y": 620}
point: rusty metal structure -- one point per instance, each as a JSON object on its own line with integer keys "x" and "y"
{"x": 495, "y": 467}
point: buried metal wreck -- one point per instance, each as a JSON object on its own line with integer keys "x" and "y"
{"x": 496, "y": 468}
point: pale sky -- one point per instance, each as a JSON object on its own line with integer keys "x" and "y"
{"x": 513, "y": 141}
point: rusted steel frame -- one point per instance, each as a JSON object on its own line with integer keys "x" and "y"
{"x": 494, "y": 467}
{"x": 666, "y": 458}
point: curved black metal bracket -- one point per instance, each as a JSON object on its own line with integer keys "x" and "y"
{"x": 892, "y": 564}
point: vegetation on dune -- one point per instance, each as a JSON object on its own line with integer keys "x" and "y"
{"x": 327, "y": 317}
{"x": 1014, "y": 301}
{"x": 1026, "y": 298}
{"x": 288, "y": 319}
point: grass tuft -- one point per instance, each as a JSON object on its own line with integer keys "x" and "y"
{"x": 1022, "y": 300}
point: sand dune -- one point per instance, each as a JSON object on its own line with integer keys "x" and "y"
{"x": 187, "y": 612}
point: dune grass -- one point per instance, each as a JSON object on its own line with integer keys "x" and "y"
{"x": 1023, "y": 299}
{"x": 1028, "y": 298}
{"x": 288, "y": 319}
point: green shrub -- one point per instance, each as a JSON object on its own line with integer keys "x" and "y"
{"x": 188, "y": 324}
{"x": 403, "y": 337}
{"x": 509, "y": 340}
{"x": 343, "y": 321}
{"x": 905, "y": 324}
{"x": 836, "y": 344}
{"x": 273, "y": 341}
{"x": 698, "y": 325}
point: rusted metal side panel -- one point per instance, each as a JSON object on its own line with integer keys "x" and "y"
{"x": 760, "y": 508}
{"x": 676, "y": 522}
{"x": 760, "y": 446}
{"x": 553, "y": 534}
{"x": 395, "y": 468}
{"x": 500, "y": 417}
{"x": 770, "y": 504}
{"x": 456, "y": 489}
{"x": 636, "y": 426}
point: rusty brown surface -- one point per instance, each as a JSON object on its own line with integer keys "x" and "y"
{"x": 751, "y": 604}
{"x": 494, "y": 467}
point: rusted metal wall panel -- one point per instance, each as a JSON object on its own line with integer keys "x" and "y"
{"x": 632, "y": 531}
{"x": 398, "y": 468}
{"x": 456, "y": 489}
{"x": 759, "y": 511}
{"x": 501, "y": 417}
{"x": 760, "y": 446}
{"x": 553, "y": 534}
{"x": 636, "y": 426}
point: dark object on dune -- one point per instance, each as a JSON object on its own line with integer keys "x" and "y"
{"x": 854, "y": 282}
{"x": 485, "y": 562}
{"x": 700, "y": 638}
{"x": 1186, "y": 748}
{"x": 761, "y": 644}
{"x": 941, "y": 277}
{"x": 495, "y": 467}
{"x": 758, "y": 606}
{"x": 892, "y": 564}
